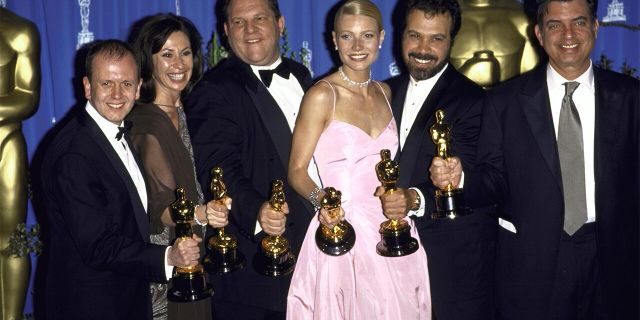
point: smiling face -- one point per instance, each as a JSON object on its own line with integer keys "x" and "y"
{"x": 114, "y": 86}
{"x": 254, "y": 31}
{"x": 173, "y": 65}
{"x": 358, "y": 40}
{"x": 426, "y": 43}
{"x": 568, "y": 33}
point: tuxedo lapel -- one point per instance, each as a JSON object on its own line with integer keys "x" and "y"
{"x": 101, "y": 141}
{"x": 270, "y": 113}
{"x": 419, "y": 130}
{"x": 534, "y": 101}
{"x": 608, "y": 109}
{"x": 397, "y": 105}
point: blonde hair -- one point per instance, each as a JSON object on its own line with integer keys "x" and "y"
{"x": 359, "y": 7}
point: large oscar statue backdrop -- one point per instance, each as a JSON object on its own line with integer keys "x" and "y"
{"x": 19, "y": 94}
{"x": 495, "y": 43}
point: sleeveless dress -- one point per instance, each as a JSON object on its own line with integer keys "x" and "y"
{"x": 359, "y": 284}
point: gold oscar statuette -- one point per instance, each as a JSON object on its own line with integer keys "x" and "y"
{"x": 189, "y": 283}
{"x": 223, "y": 256}
{"x": 396, "y": 237}
{"x": 19, "y": 99}
{"x": 340, "y": 239}
{"x": 449, "y": 200}
{"x": 276, "y": 251}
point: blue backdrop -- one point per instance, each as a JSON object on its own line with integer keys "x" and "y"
{"x": 64, "y": 24}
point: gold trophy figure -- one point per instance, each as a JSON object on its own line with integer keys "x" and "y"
{"x": 278, "y": 258}
{"x": 495, "y": 42}
{"x": 19, "y": 96}
{"x": 223, "y": 254}
{"x": 396, "y": 237}
{"x": 450, "y": 200}
{"x": 189, "y": 283}
{"x": 340, "y": 239}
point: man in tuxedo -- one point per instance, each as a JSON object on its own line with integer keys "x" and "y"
{"x": 459, "y": 251}
{"x": 558, "y": 151}
{"x": 241, "y": 116}
{"x": 100, "y": 258}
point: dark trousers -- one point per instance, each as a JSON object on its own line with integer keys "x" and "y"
{"x": 576, "y": 293}
{"x": 223, "y": 310}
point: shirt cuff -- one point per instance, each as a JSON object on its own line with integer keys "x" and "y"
{"x": 420, "y": 211}
{"x": 168, "y": 270}
{"x": 258, "y": 228}
{"x": 461, "y": 185}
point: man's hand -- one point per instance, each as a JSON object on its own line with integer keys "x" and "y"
{"x": 445, "y": 172}
{"x": 396, "y": 204}
{"x": 218, "y": 213}
{"x": 184, "y": 252}
{"x": 329, "y": 221}
{"x": 273, "y": 222}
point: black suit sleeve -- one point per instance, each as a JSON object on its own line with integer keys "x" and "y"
{"x": 219, "y": 126}
{"x": 485, "y": 183}
{"x": 465, "y": 128}
{"x": 91, "y": 211}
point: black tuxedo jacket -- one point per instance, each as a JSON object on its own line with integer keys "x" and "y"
{"x": 460, "y": 251}
{"x": 100, "y": 258}
{"x": 518, "y": 166}
{"x": 236, "y": 124}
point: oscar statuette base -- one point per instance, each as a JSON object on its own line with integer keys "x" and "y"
{"x": 189, "y": 287}
{"x": 223, "y": 261}
{"x": 396, "y": 241}
{"x": 450, "y": 205}
{"x": 275, "y": 259}
{"x": 336, "y": 243}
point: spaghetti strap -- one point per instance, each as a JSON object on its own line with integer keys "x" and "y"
{"x": 334, "y": 97}
{"x": 385, "y": 96}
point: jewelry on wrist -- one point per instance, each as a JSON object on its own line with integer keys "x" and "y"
{"x": 195, "y": 217}
{"x": 416, "y": 202}
{"x": 313, "y": 198}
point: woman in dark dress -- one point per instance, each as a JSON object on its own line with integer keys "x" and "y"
{"x": 168, "y": 48}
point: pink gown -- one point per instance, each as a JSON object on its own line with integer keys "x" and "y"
{"x": 359, "y": 284}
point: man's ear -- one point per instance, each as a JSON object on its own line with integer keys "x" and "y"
{"x": 87, "y": 87}
{"x": 538, "y": 34}
{"x": 281, "y": 24}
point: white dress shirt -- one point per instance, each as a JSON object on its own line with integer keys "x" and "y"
{"x": 288, "y": 94}
{"x": 584, "y": 97}
{"x": 121, "y": 147}
{"x": 110, "y": 130}
{"x": 417, "y": 93}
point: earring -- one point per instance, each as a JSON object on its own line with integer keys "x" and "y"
{"x": 380, "y": 47}
{"x": 336, "y": 48}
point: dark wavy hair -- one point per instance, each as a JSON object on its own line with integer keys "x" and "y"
{"x": 543, "y": 8}
{"x": 110, "y": 48}
{"x": 152, "y": 36}
{"x": 273, "y": 5}
{"x": 436, "y": 7}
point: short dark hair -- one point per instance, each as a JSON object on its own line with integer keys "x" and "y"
{"x": 152, "y": 36}
{"x": 273, "y": 5}
{"x": 110, "y": 48}
{"x": 543, "y": 8}
{"x": 436, "y": 7}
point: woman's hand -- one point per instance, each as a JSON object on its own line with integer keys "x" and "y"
{"x": 218, "y": 213}
{"x": 331, "y": 218}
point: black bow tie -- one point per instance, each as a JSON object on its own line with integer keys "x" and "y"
{"x": 126, "y": 126}
{"x": 267, "y": 75}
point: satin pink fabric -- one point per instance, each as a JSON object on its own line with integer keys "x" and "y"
{"x": 359, "y": 284}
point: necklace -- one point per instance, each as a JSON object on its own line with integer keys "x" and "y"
{"x": 167, "y": 105}
{"x": 354, "y": 83}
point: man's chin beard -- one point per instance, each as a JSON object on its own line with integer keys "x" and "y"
{"x": 420, "y": 74}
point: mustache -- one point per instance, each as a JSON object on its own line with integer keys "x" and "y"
{"x": 425, "y": 56}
